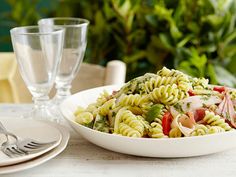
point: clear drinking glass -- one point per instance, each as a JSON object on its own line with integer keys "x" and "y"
{"x": 38, "y": 52}
{"x": 73, "y": 52}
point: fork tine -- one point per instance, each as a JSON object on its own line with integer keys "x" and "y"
{"x": 32, "y": 147}
{"x": 42, "y": 143}
{"x": 39, "y": 145}
{"x": 35, "y": 145}
{"x": 15, "y": 151}
{"x": 8, "y": 153}
{"x": 21, "y": 151}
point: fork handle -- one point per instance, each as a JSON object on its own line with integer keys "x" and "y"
{"x": 2, "y": 128}
{"x": 4, "y": 131}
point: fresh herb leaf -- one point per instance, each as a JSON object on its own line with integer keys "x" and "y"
{"x": 188, "y": 105}
{"x": 154, "y": 112}
{"x": 178, "y": 107}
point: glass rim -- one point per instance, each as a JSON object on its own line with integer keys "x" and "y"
{"x": 17, "y": 30}
{"x": 84, "y": 21}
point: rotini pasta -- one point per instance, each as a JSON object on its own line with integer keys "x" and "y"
{"x": 126, "y": 130}
{"x": 215, "y": 120}
{"x": 167, "y": 95}
{"x": 158, "y": 81}
{"x": 84, "y": 118}
{"x": 79, "y": 110}
{"x": 200, "y": 130}
{"x": 92, "y": 108}
{"x": 200, "y": 83}
{"x": 133, "y": 100}
{"x": 156, "y": 131}
{"x": 169, "y": 104}
{"x": 215, "y": 129}
{"x": 175, "y": 133}
{"x": 232, "y": 94}
{"x": 106, "y": 107}
{"x": 182, "y": 80}
{"x": 129, "y": 119}
{"x": 103, "y": 98}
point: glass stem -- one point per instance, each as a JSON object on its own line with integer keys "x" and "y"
{"x": 63, "y": 92}
{"x": 40, "y": 107}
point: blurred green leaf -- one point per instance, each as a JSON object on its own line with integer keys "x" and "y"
{"x": 137, "y": 56}
{"x": 166, "y": 41}
{"x": 225, "y": 77}
{"x": 212, "y": 74}
{"x": 194, "y": 36}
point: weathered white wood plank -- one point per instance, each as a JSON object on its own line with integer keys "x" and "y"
{"x": 84, "y": 159}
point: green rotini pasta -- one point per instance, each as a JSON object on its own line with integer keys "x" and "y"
{"x": 156, "y": 131}
{"x": 126, "y": 130}
{"x": 79, "y": 110}
{"x": 129, "y": 119}
{"x": 232, "y": 94}
{"x": 145, "y": 124}
{"x": 103, "y": 98}
{"x": 92, "y": 108}
{"x": 167, "y": 95}
{"x": 215, "y": 129}
{"x": 133, "y": 100}
{"x": 200, "y": 130}
{"x": 158, "y": 81}
{"x": 135, "y": 86}
{"x": 200, "y": 83}
{"x": 84, "y": 118}
{"x": 135, "y": 110}
{"x": 106, "y": 107}
{"x": 182, "y": 79}
{"x": 175, "y": 133}
{"x": 215, "y": 120}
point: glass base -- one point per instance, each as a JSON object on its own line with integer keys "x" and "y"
{"x": 63, "y": 92}
{"x": 41, "y": 110}
{"x": 56, "y": 113}
{"x": 41, "y": 114}
{"x": 58, "y": 99}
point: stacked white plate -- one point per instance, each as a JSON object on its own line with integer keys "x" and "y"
{"x": 43, "y": 131}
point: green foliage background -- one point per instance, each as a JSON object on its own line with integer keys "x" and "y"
{"x": 197, "y": 37}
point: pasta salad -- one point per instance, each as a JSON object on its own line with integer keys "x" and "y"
{"x": 169, "y": 104}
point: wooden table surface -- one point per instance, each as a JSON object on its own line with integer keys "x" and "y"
{"x": 82, "y": 158}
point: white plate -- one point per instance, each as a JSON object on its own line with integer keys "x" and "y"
{"x": 43, "y": 158}
{"x": 171, "y": 147}
{"x": 33, "y": 129}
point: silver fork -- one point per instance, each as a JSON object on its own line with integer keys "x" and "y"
{"x": 20, "y": 147}
{"x": 8, "y": 147}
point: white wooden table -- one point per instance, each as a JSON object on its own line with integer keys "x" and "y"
{"x": 82, "y": 158}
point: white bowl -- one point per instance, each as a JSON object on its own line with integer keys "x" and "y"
{"x": 148, "y": 147}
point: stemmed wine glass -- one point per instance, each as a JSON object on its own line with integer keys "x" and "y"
{"x": 73, "y": 52}
{"x": 38, "y": 52}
